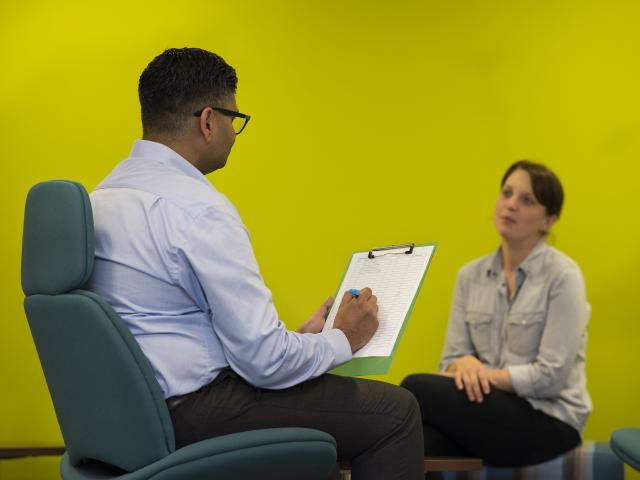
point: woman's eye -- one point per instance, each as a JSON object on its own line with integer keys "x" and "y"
{"x": 506, "y": 193}
{"x": 527, "y": 200}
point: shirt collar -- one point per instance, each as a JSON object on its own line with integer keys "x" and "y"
{"x": 530, "y": 265}
{"x": 533, "y": 263}
{"x": 158, "y": 153}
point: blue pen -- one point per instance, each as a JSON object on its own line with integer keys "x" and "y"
{"x": 354, "y": 291}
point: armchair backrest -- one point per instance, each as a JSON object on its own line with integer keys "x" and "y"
{"x": 108, "y": 403}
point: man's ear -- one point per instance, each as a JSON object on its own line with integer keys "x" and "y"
{"x": 207, "y": 124}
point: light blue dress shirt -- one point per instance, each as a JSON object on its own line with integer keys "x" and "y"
{"x": 175, "y": 261}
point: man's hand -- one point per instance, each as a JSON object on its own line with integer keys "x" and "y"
{"x": 316, "y": 321}
{"x": 472, "y": 376}
{"x": 357, "y": 317}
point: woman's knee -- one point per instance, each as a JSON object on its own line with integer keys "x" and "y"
{"x": 413, "y": 382}
{"x": 423, "y": 384}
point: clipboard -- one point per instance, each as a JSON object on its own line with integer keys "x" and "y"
{"x": 395, "y": 274}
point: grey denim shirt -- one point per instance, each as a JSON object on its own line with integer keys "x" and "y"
{"x": 539, "y": 334}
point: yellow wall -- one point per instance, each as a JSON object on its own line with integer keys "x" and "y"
{"x": 373, "y": 123}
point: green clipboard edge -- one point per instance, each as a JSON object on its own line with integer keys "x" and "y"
{"x": 364, "y": 366}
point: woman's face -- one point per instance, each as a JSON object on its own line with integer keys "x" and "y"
{"x": 519, "y": 216}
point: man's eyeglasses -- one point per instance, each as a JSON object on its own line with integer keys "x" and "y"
{"x": 238, "y": 122}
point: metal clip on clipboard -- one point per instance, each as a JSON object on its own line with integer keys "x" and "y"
{"x": 392, "y": 247}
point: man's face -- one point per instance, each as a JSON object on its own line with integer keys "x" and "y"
{"x": 223, "y": 136}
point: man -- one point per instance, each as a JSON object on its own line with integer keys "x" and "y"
{"x": 176, "y": 262}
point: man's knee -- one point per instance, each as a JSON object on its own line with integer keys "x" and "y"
{"x": 393, "y": 401}
{"x": 406, "y": 402}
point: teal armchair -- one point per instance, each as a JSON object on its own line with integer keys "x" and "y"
{"x": 625, "y": 443}
{"x": 111, "y": 411}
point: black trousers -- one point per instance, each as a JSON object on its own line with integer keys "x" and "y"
{"x": 503, "y": 430}
{"x": 376, "y": 425}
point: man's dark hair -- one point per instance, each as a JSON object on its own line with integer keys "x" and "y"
{"x": 179, "y": 82}
{"x": 546, "y": 186}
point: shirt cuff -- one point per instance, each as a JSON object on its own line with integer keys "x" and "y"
{"x": 340, "y": 346}
{"x": 443, "y": 366}
{"x": 522, "y": 380}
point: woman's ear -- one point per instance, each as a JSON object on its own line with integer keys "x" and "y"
{"x": 549, "y": 220}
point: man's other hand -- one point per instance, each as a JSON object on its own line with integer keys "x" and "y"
{"x": 316, "y": 321}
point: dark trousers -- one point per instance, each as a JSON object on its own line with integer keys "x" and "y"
{"x": 376, "y": 425}
{"x": 503, "y": 430}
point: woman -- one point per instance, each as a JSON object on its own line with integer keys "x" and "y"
{"x": 514, "y": 389}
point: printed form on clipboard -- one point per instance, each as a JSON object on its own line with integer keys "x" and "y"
{"x": 395, "y": 275}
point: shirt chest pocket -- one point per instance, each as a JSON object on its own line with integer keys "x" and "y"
{"x": 524, "y": 332}
{"x": 479, "y": 326}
